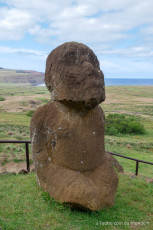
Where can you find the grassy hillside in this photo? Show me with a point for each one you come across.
(136, 100)
(20, 76)
(24, 206)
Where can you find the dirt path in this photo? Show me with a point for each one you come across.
(15, 168)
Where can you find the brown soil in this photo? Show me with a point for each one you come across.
(16, 103)
(14, 168)
(12, 104)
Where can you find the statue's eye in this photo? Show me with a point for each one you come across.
(71, 57)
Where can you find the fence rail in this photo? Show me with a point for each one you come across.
(26, 147)
(115, 154)
(133, 159)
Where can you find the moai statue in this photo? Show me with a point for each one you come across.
(67, 133)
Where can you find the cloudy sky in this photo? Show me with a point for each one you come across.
(120, 32)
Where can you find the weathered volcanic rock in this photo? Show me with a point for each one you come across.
(115, 163)
(67, 133)
(73, 74)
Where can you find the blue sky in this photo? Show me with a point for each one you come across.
(120, 32)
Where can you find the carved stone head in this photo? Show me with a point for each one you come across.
(73, 75)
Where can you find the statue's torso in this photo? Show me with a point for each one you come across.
(69, 138)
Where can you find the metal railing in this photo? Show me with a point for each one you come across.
(26, 147)
(115, 154)
(133, 159)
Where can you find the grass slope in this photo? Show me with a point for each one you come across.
(135, 100)
(23, 205)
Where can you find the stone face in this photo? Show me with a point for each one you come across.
(73, 74)
(67, 133)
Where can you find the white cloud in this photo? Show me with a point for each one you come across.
(9, 50)
(105, 20)
(122, 29)
(14, 23)
(132, 52)
(148, 30)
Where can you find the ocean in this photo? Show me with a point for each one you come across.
(125, 81)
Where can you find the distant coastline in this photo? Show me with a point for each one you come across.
(124, 81)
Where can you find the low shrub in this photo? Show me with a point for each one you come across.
(116, 124)
(2, 99)
(30, 113)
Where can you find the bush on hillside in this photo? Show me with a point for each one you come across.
(2, 99)
(30, 113)
(116, 124)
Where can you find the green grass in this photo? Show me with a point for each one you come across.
(120, 100)
(30, 113)
(18, 161)
(2, 99)
(15, 119)
(136, 146)
(142, 150)
(23, 205)
(11, 89)
(9, 152)
(44, 100)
